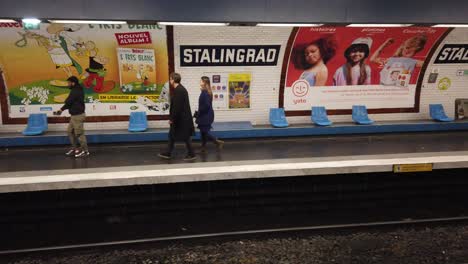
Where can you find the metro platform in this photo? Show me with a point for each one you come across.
(237, 130)
(40, 168)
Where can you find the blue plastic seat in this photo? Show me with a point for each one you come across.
(360, 115)
(319, 116)
(437, 113)
(37, 125)
(278, 117)
(138, 122)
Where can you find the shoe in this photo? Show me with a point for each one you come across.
(190, 157)
(72, 152)
(164, 155)
(219, 143)
(82, 153)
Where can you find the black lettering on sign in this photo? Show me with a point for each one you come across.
(229, 55)
(452, 53)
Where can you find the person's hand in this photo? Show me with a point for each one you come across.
(170, 122)
(388, 42)
(59, 112)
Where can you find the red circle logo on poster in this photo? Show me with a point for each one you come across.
(300, 88)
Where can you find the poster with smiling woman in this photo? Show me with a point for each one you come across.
(338, 67)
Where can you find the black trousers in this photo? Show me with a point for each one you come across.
(188, 145)
(205, 136)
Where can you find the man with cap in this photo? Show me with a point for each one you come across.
(75, 105)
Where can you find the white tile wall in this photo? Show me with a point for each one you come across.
(265, 80)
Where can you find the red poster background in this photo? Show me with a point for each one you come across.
(346, 35)
(133, 38)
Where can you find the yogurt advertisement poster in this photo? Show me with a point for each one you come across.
(338, 67)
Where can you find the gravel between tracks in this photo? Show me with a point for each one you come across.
(442, 244)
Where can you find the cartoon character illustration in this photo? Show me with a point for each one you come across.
(355, 71)
(164, 96)
(142, 74)
(58, 45)
(141, 79)
(41, 40)
(150, 105)
(139, 73)
(401, 65)
(146, 81)
(127, 67)
(96, 71)
(147, 103)
(313, 58)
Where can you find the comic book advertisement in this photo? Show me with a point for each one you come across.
(122, 68)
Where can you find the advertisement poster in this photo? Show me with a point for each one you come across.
(230, 90)
(338, 67)
(123, 68)
(219, 84)
(137, 70)
(239, 90)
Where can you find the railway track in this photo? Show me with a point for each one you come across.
(124, 243)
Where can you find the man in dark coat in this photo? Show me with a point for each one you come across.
(180, 119)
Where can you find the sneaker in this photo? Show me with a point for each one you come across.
(82, 153)
(219, 143)
(164, 155)
(190, 157)
(72, 152)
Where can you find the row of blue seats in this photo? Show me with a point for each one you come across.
(37, 123)
(359, 115)
(138, 122)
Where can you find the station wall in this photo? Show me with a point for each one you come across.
(262, 82)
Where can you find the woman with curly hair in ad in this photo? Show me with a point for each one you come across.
(313, 57)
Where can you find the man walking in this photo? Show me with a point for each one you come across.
(76, 107)
(180, 119)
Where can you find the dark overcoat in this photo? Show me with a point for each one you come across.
(180, 114)
(205, 116)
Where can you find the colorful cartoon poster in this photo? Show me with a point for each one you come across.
(37, 63)
(137, 70)
(338, 67)
(239, 90)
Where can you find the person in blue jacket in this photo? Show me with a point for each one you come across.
(205, 114)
